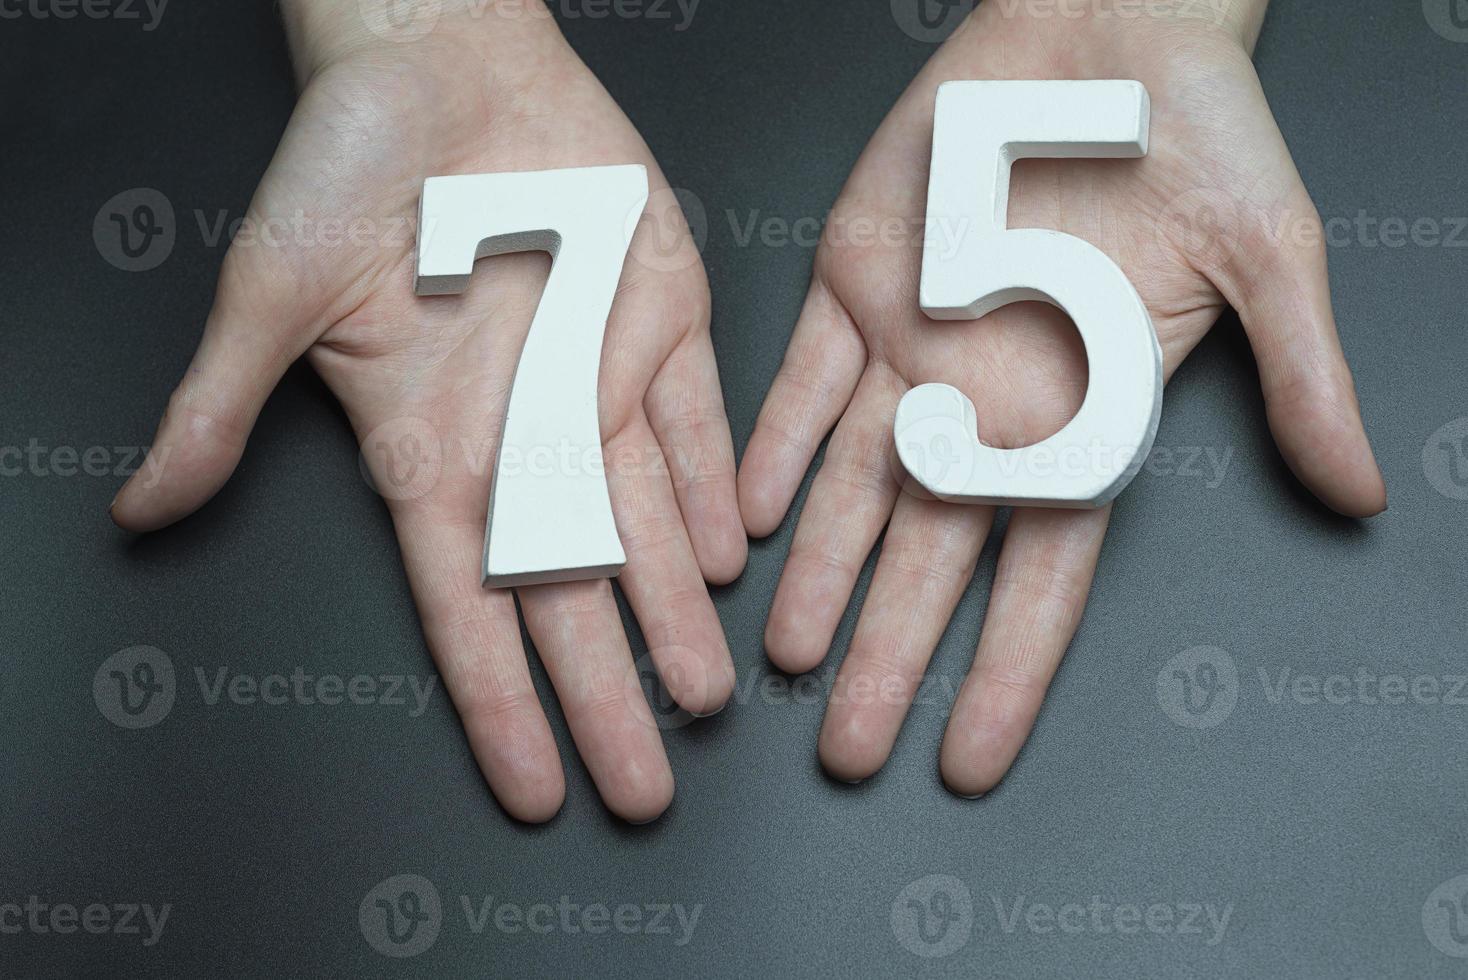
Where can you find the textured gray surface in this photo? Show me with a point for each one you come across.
(1323, 829)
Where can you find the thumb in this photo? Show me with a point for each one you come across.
(250, 339)
(1279, 286)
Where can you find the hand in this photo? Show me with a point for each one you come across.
(1218, 165)
(497, 92)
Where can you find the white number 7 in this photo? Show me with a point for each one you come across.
(550, 515)
(979, 130)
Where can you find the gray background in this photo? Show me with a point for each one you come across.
(1324, 827)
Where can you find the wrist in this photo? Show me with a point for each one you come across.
(1122, 21)
(323, 32)
(1243, 19)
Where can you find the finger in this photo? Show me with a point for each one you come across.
(579, 634)
(1040, 589)
(474, 635)
(662, 580)
(256, 329)
(813, 387)
(850, 501)
(685, 406)
(1282, 293)
(927, 560)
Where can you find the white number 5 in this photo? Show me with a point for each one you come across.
(550, 515)
(979, 130)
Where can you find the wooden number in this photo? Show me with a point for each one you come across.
(550, 515)
(980, 129)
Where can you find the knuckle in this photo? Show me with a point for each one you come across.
(603, 702)
(928, 573)
(1046, 595)
(820, 562)
(486, 705)
(1009, 692)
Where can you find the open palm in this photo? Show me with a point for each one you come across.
(1214, 215)
(425, 383)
